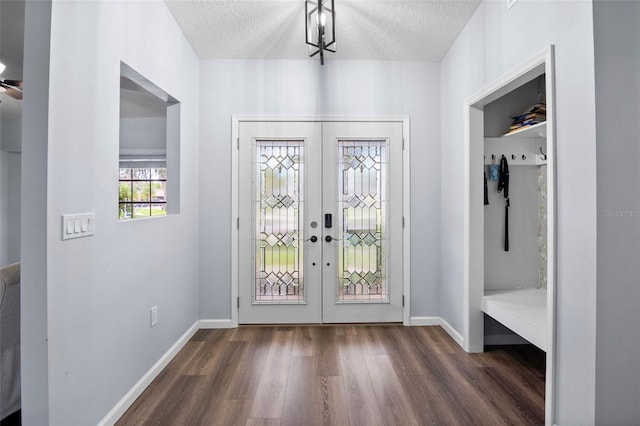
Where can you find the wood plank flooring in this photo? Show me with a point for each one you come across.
(342, 375)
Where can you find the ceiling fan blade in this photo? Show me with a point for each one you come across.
(14, 92)
(14, 83)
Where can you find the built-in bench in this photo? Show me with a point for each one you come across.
(524, 311)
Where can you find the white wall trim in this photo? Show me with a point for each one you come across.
(432, 321)
(406, 213)
(452, 332)
(423, 321)
(216, 323)
(129, 398)
(356, 119)
(235, 215)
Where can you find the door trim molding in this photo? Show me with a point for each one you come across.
(406, 202)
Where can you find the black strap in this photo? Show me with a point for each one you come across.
(503, 181)
(486, 190)
(506, 225)
(503, 185)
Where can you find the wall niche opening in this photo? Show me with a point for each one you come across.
(149, 155)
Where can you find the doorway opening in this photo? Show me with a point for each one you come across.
(510, 282)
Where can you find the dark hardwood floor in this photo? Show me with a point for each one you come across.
(342, 375)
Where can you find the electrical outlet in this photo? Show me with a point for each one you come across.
(154, 315)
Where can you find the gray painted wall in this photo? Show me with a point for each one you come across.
(11, 54)
(617, 71)
(140, 134)
(34, 349)
(10, 169)
(86, 337)
(304, 88)
(494, 41)
(10, 179)
(520, 266)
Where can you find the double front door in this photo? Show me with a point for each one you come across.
(320, 222)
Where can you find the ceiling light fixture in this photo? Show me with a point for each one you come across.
(320, 27)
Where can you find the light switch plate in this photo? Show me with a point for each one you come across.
(78, 225)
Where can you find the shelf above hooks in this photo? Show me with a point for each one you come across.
(536, 131)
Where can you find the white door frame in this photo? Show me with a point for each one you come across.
(406, 201)
(473, 286)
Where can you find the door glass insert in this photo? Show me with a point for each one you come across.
(279, 212)
(363, 204)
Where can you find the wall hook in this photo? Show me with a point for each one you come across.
(544, 156)
(513, 157)
(524, 157)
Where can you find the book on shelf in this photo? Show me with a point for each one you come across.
(533, 115)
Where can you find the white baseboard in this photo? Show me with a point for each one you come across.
(216, 323)
(442, 323)
(123, 405)
(452, 332)
(416, 321)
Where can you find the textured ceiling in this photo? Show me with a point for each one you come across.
(378, 30)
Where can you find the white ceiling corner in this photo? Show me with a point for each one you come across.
(417, 30)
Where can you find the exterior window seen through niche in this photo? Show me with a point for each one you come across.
(143, 192)
(149, 163)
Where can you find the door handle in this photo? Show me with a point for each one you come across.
(329, 238)
(313, 239)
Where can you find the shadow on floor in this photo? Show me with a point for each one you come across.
(14, 419)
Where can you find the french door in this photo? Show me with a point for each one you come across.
(320, 222)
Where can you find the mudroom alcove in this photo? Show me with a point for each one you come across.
(510, 213)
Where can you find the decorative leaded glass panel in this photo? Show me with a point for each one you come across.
(363, 203)
(278, 217)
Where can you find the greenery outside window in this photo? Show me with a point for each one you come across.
(142, 192)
